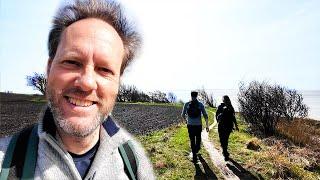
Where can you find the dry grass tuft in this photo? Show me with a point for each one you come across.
(302, 132)
(254, 144)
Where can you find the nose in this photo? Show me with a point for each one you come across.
(86, 80)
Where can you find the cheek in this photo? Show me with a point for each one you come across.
(58, 79)
(109, 90)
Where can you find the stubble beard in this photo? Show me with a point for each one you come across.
(69, 127)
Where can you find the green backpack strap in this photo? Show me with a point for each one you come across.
(31, 158)
(129, 159)
(8, 158)
(21, 155)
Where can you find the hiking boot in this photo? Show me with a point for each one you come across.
(226, 158)
(195, 158)
(226, 155)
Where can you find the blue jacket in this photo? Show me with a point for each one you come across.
(194, 121)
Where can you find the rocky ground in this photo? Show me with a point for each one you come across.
(20, 111)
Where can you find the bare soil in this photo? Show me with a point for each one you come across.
(19, 111)
(142, 119)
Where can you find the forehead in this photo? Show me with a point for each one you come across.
(92, 33)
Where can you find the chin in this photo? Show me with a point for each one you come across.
(77, 126)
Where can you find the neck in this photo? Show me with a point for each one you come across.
(79, 145)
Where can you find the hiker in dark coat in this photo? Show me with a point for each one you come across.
(193, 111)
(225, 116)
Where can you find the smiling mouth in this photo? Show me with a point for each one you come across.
(80, 102)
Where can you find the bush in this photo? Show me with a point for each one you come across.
(294, 105)
(262, 105)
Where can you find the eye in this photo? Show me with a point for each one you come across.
(72, 63)
(105, 71)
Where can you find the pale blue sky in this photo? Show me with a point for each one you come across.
(187, 44)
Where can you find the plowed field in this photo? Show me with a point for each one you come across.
(19, 111)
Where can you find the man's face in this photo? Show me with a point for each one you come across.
(83, 77)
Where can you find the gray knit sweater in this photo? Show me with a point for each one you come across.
(54, 162)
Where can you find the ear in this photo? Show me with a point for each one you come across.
(49, 63)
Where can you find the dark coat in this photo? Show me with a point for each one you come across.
(225, 116)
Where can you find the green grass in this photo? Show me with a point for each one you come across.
(154, 104)
(168, 150)
(270, 162)
(38, 100)
(211, 113)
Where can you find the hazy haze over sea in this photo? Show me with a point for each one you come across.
(310, 97)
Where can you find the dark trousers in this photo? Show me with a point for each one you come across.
(195, 137)
(224, 134)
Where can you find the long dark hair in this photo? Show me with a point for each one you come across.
(227, 101)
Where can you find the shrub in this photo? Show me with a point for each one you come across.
(262, 105)
(294, 105)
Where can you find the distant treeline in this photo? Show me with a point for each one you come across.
(128, 93)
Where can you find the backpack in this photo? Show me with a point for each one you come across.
(226, 117)
(193, 110)
(21, 156)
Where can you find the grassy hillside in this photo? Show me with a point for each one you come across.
(277, 158)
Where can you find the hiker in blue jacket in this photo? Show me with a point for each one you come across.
(191, 112)
(90, 44)
(225, 116)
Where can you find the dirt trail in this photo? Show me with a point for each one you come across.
(216, 156)
(229, 169)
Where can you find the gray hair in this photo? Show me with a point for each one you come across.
(109, 11)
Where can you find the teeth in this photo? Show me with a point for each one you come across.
(78, 102)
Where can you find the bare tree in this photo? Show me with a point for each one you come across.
(121, 93)
(207, 98)
(38, 82)
(172, 98)
(130, 93)
(158, 97)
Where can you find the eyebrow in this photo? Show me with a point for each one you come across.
(74, 51)
(78, 53)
